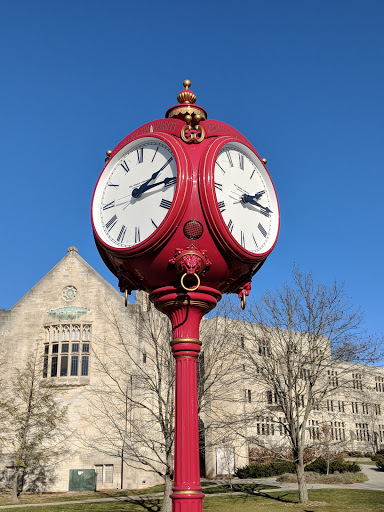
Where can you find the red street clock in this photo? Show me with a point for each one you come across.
(184, 199)
(185, 209)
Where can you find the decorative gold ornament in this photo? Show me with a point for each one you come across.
(186, 96)
(194, 288)
(264, 160)
(108, 157)
(192, 135)
(185, 340)
(186, 99)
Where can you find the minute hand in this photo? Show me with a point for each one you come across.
(136, 192)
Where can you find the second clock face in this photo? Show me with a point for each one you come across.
(135, 193)
(246, 198)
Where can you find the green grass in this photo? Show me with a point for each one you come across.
(322, 500)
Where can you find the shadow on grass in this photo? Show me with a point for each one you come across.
(150, 504)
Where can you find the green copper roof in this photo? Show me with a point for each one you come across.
(69, 313)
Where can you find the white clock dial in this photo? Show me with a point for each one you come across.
(246, 198)
(135, 192)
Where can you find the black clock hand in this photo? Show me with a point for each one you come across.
(166, 182)
(136, 192)
(252, 200)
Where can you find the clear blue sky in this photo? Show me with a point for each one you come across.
(303, 81)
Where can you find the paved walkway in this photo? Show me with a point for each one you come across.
(375, 483)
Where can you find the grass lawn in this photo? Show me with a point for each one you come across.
(322, 500)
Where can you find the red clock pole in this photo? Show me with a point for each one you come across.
(185, 310)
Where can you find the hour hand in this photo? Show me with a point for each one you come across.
(246, 198)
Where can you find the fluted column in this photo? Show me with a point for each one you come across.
(185, 311)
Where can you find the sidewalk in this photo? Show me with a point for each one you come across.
(375, 483)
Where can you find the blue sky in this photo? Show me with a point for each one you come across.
(303, 81)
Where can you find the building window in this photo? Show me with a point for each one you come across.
(248, 395)
(271, 397)
(341, 406)
(332, 378)
(265, 426)
(338, 430)
(362, 432)
(377, 409)
(365, 408)
(144, 358)
(379, 384)
(242, 342)
(330, 405)
(356, 381)
(264, 349)
(64, 354)
(104, 473)
(313, 429)
(305, 374)
(355, 408)
(109, 473)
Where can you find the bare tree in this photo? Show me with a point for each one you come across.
(302, 342)
(35, 427)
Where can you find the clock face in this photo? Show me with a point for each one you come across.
(246, 198)
(135, 192)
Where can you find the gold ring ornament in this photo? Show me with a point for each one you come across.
(193, 289)
(126, 298)
(243, 300)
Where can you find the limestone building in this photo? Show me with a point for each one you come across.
(74, 318)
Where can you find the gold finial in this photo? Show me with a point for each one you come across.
(108, 153)
(264, 160)
(186, 96)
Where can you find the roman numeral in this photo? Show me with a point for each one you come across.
(229, 158)
(137, 235)
(155, 153)
(165, 204)
(124, 165)
(241, 163)
(140, 155)
(221, 205)
(219, 186)
(112, 221)
(262, 230)
(109, 205)
(230, 225)
(121, 235)
(170, 181)
(112, 185)
(265, 212)
(242, 238)
(153, 222)
(217, 163)
(253, 236)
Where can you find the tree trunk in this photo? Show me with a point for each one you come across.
(301, 481)
(167, 502)
(15, 481)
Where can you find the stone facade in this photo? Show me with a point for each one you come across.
(64, 316)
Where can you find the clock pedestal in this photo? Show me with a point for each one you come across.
(185, 310)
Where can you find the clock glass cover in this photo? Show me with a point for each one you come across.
(135, 192)
(246, 198)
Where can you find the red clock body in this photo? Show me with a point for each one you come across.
(163, 199)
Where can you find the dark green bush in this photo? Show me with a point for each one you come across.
(380, 462)
(340, 465)
(257, 470)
